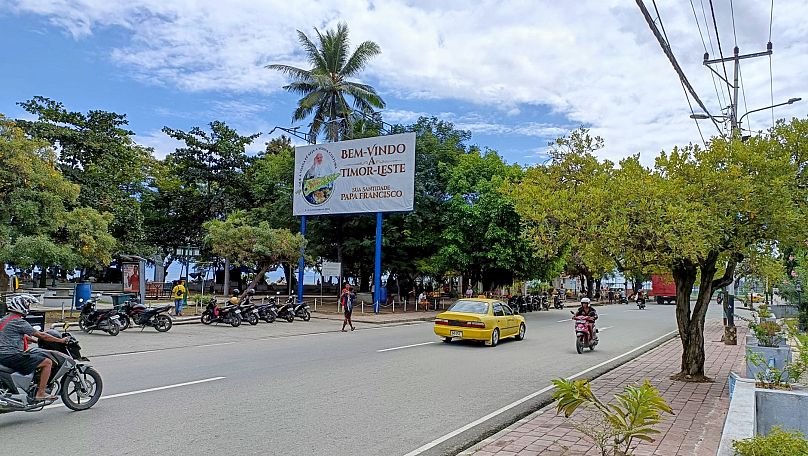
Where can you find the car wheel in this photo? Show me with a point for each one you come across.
(447, 339)
(521, 334)
(495, 337)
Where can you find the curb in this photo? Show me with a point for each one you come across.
(545, 404)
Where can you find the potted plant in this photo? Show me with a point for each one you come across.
(777, 443)
(770, 352)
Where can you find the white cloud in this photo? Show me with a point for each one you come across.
(160, 142)
(593, 62)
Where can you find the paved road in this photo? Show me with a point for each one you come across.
(259, 391)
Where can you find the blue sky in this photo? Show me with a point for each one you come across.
(516, 74)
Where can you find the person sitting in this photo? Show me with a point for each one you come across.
(586, 310)
(15, 333)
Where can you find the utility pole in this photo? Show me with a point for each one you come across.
(736, 58)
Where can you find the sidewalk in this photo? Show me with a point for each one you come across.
(695, 429)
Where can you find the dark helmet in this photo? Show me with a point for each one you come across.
(236, 291)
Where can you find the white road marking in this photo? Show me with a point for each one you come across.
(405, 346)
(149, 390)
(530, 396)
(605, 328)
(564, 321)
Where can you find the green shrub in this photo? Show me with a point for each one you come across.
(767, 333)
(777, 443)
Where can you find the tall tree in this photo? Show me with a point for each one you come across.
(97, 152)
(324, 87)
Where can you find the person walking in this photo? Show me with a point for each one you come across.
(179, 292)
(347, 300)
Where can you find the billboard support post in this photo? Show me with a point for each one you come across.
(301, 264)
(377, 270)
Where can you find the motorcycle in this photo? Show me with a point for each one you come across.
(285, 310)
(106, 320)
(623, 299)
(584, 333)
(302, 311)
(227, 314)
(248, 311)
(133, 311)
(641, 303)
(72, 379)
(545, 303)
(557, 302)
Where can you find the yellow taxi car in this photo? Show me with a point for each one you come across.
(486, 320)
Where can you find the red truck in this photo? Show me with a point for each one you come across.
(663, 288)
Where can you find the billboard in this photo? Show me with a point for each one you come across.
(361, 175)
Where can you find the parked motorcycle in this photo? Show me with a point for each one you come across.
(302, 311)
(623, 299)
(215, 314)
(286, 310)
(557, 303)
(584, 332)
(133, 311)
(72, 379)
(545, 303)
(106, 320)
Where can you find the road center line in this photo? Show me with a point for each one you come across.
(405, 346)
(530, 396)
(605, 328)
(149, 390)
(564, 321)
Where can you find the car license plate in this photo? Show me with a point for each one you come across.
(456, 333)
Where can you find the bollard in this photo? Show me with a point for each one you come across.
(394, 306)
(363, 306)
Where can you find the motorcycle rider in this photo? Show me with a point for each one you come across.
(15, 334)
(586, 310)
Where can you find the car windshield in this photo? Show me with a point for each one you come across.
(476, 307)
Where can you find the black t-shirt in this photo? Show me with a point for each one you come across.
(591, 313)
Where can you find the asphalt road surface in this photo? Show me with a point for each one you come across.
(268, 389)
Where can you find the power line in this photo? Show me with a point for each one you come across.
(669, 53)
(722, 97)
(732, 12)
(743, 94)
(721, 102)
(718, 40)
(771, 76)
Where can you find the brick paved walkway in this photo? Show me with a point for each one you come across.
(695, 429)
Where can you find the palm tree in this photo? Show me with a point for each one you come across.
(324, 87)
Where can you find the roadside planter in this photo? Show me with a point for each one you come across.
(787, 409)
(775, 357)
(785, 311)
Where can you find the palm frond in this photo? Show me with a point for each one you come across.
(293, 72)
(301, 88)
(312, 51)
(364, 92)
(360, 58)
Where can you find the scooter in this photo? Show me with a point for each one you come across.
(248, 311)
(545, 304)
(641, 303)
(286, 310)
(623, 299)
(133, 311)
(302, 311)
(585, 333)
(227, 314)
(106, 320)
(557, 302)
(72, 378)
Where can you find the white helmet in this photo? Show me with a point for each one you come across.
(20, 303)
(585, 301)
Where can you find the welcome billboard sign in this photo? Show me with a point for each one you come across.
(357, 176)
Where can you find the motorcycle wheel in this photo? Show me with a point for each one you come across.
(270, 318)
(579, 344)
(163, 323)
(206, 318)
(125, 322)
(306, 315)
(71, 390)
(114, 329)
(83, 324)
(592, 347)
(252, 319)
(235, 321)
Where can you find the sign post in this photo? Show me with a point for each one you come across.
(368, 175)
(301, 264)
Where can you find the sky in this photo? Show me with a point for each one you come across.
(516, 74)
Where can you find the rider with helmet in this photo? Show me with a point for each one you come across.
(586, 310)
(15, 333)
(234, 300)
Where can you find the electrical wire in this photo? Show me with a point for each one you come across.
(704, 45)
(743, 94)
(723, 98)
(720, 51)
(732, 11)
(684, 89)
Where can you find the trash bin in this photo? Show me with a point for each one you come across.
(82, 292)
(119, 299)
(36, 318)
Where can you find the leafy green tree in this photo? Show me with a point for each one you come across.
(254, 245)
(97, 152)
(38, 228)
(324, 87)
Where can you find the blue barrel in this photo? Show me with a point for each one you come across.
(83, 291)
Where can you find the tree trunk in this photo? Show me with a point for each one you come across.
(4, 278)
(255, 280)
(590, 285)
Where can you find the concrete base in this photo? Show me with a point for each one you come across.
(740, 422)
(787, 409)
(785, 311)
(780, 356)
